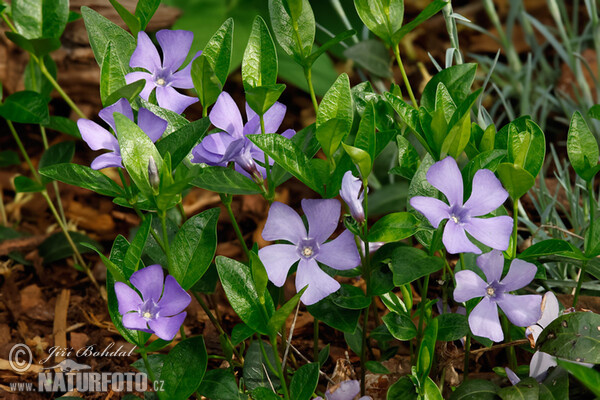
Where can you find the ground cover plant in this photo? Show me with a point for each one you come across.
(458, 268)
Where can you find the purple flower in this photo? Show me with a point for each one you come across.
(487, 195)
(283, 223)
(346, 390)
(523, 310)
(353, 195)
(153, 313)
(232, 145)
(163, 75)
(99, 138)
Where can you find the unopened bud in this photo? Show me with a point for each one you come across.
(153, 176)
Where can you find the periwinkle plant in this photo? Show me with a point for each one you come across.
(342, 275)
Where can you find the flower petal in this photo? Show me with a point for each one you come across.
(127, 298)
(226, 116)
(533, 331)
(212, 148)
(320, 285)
(445, 176)
(149, 281)
(135, 321)
(550, 309)
(455, 240)
(121, 106)
(171, 99)
(107, 160)
(487, 195)
(174, 299)
(166, 327)
(492, 265)
(519, 275)
(152, 125)
(493, 232)
(484, 321)
(288, 133)
(274, 117)
(468, 286)
(96, 136)
(145, 54)
(540, 364)
(175, 45)
(512, 377)
(522, 310)
(148, 87)
(345, 390)
(340, 253)
(283, 223)
(322, 216)
(433, 209)
(278, 259)
(353, 195)
(182, 79)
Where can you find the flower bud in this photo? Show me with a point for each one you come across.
(153, 176)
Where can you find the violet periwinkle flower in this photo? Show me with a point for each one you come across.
(153, 313)
(283, 223)
(232, 145)
(99, 138)
(486, 196)
(163, 75)
(353, 195)
(346, 390)
(521, 310)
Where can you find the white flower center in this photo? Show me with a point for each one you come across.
(161, 82)
(490, 291)
(307, 251)
(147, 315)
(454, 218)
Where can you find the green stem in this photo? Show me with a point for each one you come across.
(270, 188)
(204, 112)
(515, 227)
(422, 308)
(181, 210)
(311, 89)
(467, 353)
(404, 76)
(510, 350)
(286, 394)
(589, 234)
(61, 210)
(579, 283)
(226, 199)
(12, 129)
(163, 222)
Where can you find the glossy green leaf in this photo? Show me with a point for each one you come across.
(588, 376)
(218, 50)
(133, 256)
(180, 381)
(515, 179)
(340, 37)
(393, 227)
(432, 8)
(293, 24)
(84, 177)
(339, 318)
(408, 158)
(259, 274)
(278, 318)
(64, 125)
(330, 135)
(452, 326)
(360, 158)
(181, 142)
(366, 138)
(402, 389)
(39, 47)
(409, 263)
(40, 18)
(25, 107)
(259, 65)
(476, 389)
(194, 247)
(457, 80)
(337, 103)
(206, 82)
(8, 158)
(574, 336)
(582, 148)
(112, 76)
(144, 10)
(550, 247)
(526, 149)
(371, 55)
(24, 184)
(224, 180)
(400, 326)
(35, 80)
(256, 373)
(176, 121)
(427, 349)
(351, 297)
(59, 153)
(527, 389)
(130, 92)
(220, 384)
(382, 17)
(131, 20)
(304, 382)
(261, 98)
(56, 247)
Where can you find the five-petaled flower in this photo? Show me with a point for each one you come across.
(163, 75)
(521, 310)
(346, 390)
(283, 223)
(157, 311)
(99, 138)
(487, 195)
(218, 149)
(353, 195)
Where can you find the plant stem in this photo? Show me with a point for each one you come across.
(404, 77)
(163, 222)
(226, 200)
(589, 235)
(510, 351)
(308, 76)
(515, 227)
(61, 210)
(422, 308)
(36, 176)
(467, 353)
(286, 394)
(270, 188)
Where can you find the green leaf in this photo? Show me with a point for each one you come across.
(427, 350)
(259, 275)
(293, 24)
(452, 326)
(376, 367)
(527, 389)
(132, 21)
(133, 256)
(574, 336)
(515, 180)
(400, 326)
(556, 385)
(259, 65)
(588, 376)
(382, 17)
(206, 82)
(144, 10)
(393, 227)
(39, 47)
(261, 98)
(56, 247)
(237, 282)
(304, 382)
(59, 153)
(351, 297)
(340, 37)
(179, 143)
(8, 158)
(101, 31)
(289, 157)
(431, 391)
(361, 159)
(432, 8)
(35, 80)
(112, 75)
(337, 103)
(339, 318)
(218, 50)
(194, 247)
(64, 125)
(220, 384)
(366, 138)
(457, 80)
(582, 148)
(330, 135)
(476, 389)
(26, 107)
(130, 92)
(24, 184)
(526, 149)
(408, 158)
(371, 55)
(408, 263)
(256, 374)
(224, 180)
(40, 18)
(82, 176)
(278, 318)
(402, 389)
(180, 381)
(176, 121)
(550, 247)
(136, 150)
